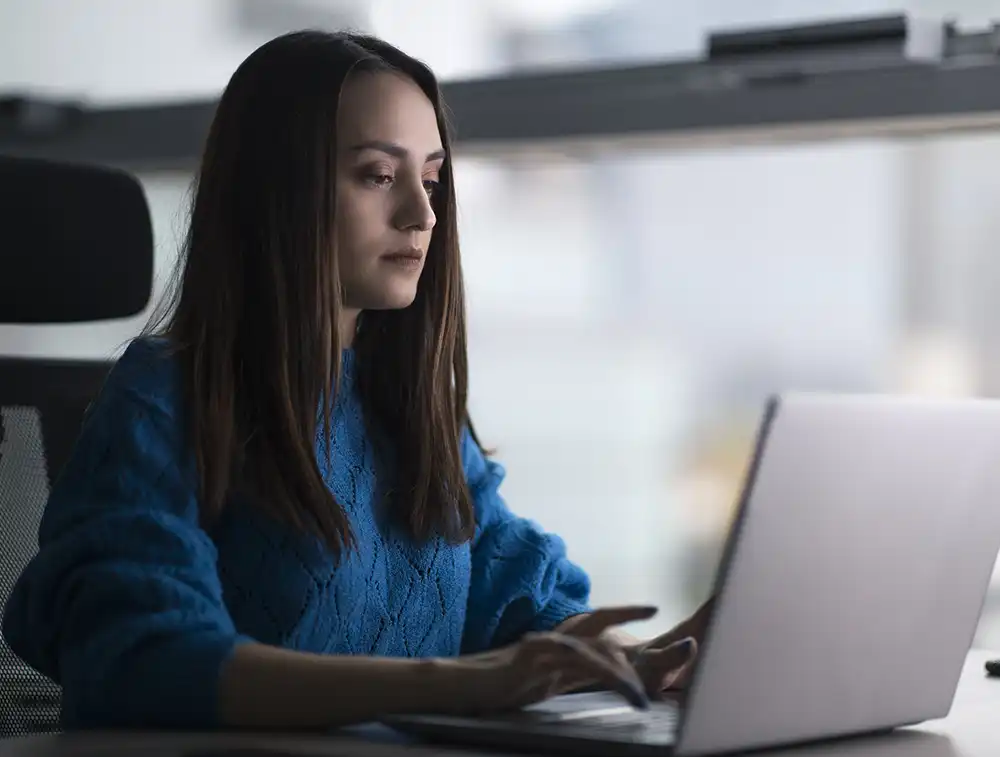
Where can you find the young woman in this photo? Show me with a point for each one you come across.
(277, 513)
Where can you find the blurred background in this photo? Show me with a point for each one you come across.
(634, 296)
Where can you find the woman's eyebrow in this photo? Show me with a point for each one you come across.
(395, 150)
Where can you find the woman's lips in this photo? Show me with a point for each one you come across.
(410, 257)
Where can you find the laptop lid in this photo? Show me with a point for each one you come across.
(855, 572)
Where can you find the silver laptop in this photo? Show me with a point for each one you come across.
(847, 599)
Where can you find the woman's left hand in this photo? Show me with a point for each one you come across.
(666, 662)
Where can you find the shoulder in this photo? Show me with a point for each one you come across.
(131, 455)
(479, 470)
(484, 478)
(141, 401)
(147, 372)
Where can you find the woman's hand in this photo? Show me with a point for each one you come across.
(664, 663)
(544, 665)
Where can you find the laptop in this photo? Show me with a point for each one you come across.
(847, 598)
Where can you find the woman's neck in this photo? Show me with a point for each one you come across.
(348, 327)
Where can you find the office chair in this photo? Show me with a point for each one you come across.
(76, 245)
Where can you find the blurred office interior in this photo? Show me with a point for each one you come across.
(633, 298)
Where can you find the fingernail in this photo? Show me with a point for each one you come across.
(687, 646)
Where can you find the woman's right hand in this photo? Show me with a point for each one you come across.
(543, 665)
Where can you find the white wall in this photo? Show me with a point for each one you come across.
(122, 51)
(119, 51)
(115, 51)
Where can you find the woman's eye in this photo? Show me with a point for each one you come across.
(431, 187)
(380, 180)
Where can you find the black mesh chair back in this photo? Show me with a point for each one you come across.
(76, 245)
(42, 404)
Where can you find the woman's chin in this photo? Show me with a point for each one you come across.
(392, 299)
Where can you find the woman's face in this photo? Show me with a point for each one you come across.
(389, 159)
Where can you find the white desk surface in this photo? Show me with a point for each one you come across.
(972, 729)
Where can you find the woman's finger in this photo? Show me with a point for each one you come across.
(600, 620)
(662, 669)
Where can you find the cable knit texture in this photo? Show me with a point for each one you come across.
(133, 608)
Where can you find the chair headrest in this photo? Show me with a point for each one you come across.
(76, 243)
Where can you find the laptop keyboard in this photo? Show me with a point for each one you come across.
(618, 723)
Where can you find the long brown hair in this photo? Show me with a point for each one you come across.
(253, 317)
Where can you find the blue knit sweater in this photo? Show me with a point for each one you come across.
(133, 608)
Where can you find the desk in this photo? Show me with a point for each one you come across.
(972, 729)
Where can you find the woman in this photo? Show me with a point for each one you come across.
(277, 513)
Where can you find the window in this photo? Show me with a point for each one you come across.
(631, 311)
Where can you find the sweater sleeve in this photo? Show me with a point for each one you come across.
(122, 605)
(522, 580)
